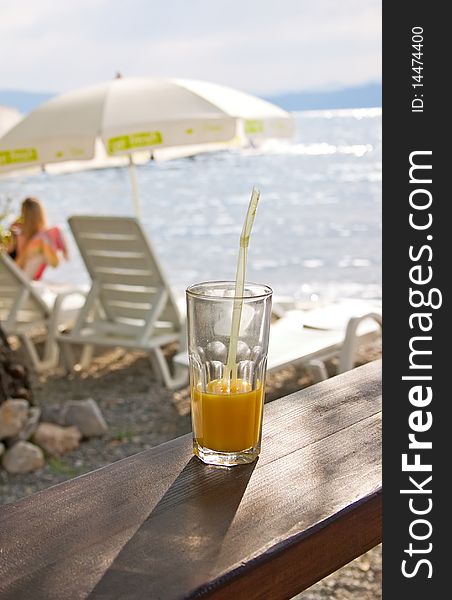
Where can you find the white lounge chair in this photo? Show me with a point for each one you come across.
(311, 337)
(24, 313)
(298, 338)
(130, 303)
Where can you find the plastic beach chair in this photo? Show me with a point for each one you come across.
(25, 313)
(130, 303)
(311, 337)
(298, 338)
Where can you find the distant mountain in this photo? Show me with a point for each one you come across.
(363, 96)
(23, 101)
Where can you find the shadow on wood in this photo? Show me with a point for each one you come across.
(193, 517)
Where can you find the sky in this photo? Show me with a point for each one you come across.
(260, 46)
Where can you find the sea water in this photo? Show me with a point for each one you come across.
(317, 235)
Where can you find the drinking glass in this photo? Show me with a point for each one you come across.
(227, 403)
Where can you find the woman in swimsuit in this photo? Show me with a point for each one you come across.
(34, 246)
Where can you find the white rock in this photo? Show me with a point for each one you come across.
(23, 457)
(13, 416)
(56, 440)
(86, 416)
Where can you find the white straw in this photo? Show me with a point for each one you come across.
(240, 284)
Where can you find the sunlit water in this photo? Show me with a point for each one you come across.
(317, 231)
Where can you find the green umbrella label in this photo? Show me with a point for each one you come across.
(19, 155)
(143, 139)
(253, 126)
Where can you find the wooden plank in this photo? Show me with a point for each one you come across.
(161, 524)
(212, 532)
(284, 572)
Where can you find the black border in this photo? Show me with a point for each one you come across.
(404, 132)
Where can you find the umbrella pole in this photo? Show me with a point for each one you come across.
(134, 185)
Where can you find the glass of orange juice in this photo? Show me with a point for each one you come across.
(227, 399)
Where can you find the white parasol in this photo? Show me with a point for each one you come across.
(129, 115)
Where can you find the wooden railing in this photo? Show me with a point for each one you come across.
(161, 524)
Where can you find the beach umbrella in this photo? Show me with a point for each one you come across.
(8, 118)
(130, 115)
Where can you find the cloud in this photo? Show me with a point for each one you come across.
(261, 46)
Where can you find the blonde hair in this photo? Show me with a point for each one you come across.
(33, 218)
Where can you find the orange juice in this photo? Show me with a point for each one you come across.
(227, 417)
